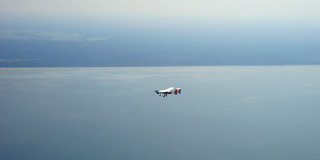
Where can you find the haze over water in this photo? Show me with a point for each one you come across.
(225, 113)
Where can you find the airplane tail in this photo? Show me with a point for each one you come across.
(177, 90)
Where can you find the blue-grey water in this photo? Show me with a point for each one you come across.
(223, 113)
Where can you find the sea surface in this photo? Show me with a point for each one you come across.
(223, 113)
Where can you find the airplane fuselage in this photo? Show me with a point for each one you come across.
(167, 91)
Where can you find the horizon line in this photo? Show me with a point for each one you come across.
(279, 65)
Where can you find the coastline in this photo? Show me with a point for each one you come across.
(198, 66)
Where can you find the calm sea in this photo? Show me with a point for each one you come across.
(223, 113)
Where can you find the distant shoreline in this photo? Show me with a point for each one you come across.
(2, 68)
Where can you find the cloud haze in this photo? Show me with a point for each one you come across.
(308, 9)
(32, 35)
(159, 33)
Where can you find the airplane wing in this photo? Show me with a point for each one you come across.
(168, 89)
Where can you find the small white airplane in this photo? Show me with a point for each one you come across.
(167, 91)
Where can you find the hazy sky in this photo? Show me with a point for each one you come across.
(269, 9)
(142, 32)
